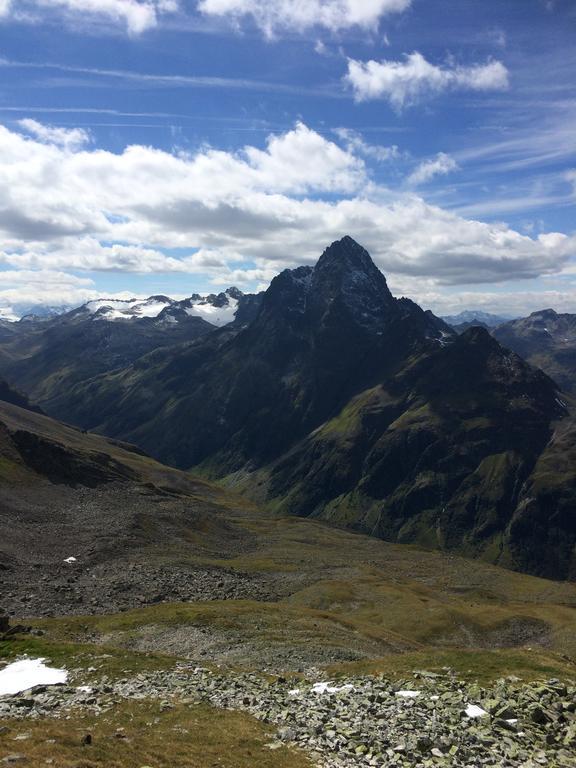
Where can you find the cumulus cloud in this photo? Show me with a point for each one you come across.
(405, 83)
(137, 15)
(273, 16)
(271, 207)
(31, 287)
(428, 169)
(69, 138)
(511, 303)
(88, 254)
(22, 290)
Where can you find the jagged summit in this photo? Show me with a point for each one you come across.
(346, 255)
(344, 286)
(346, 272)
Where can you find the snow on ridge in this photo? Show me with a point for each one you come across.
(25, 674)
(117, 309)
(213, 314)
(215, 309)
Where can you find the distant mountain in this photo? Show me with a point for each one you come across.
(471, 317)
(341, 402)
(33, 312)
(45, 358)
(547, 340)
(216, 309)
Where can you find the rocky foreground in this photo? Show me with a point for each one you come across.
(430, 720)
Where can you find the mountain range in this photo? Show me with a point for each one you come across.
(46, 357)
(337, 401)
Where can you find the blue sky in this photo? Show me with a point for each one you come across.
(157, 146)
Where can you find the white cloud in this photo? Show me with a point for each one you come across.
(88, 254)
(137, 15)
(509, 303)
(273, 16)
(428, 169)
(355, 143)
(407, 82)
(68, 138)
(42, 287)
(273, 207)
(22, 290)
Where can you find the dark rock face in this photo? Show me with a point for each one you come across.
(341, 402)
(61, 465)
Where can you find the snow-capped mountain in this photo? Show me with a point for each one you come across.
(216, 309)
(118, 309)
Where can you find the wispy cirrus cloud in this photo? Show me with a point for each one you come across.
(153, 80)
(408, 82)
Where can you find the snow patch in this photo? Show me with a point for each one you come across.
(212, 314)
(22, 675)
(407, 694)
(473, 710)
(321, 688)
(116, 309)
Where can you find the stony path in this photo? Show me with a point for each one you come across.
(430, 720)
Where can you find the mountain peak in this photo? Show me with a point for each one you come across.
(545, 314)
(346, 273)
(347, 254)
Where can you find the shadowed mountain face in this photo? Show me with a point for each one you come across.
(343, 403)
(9, 395)
(547, 340)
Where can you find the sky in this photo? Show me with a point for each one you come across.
(182, 146)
